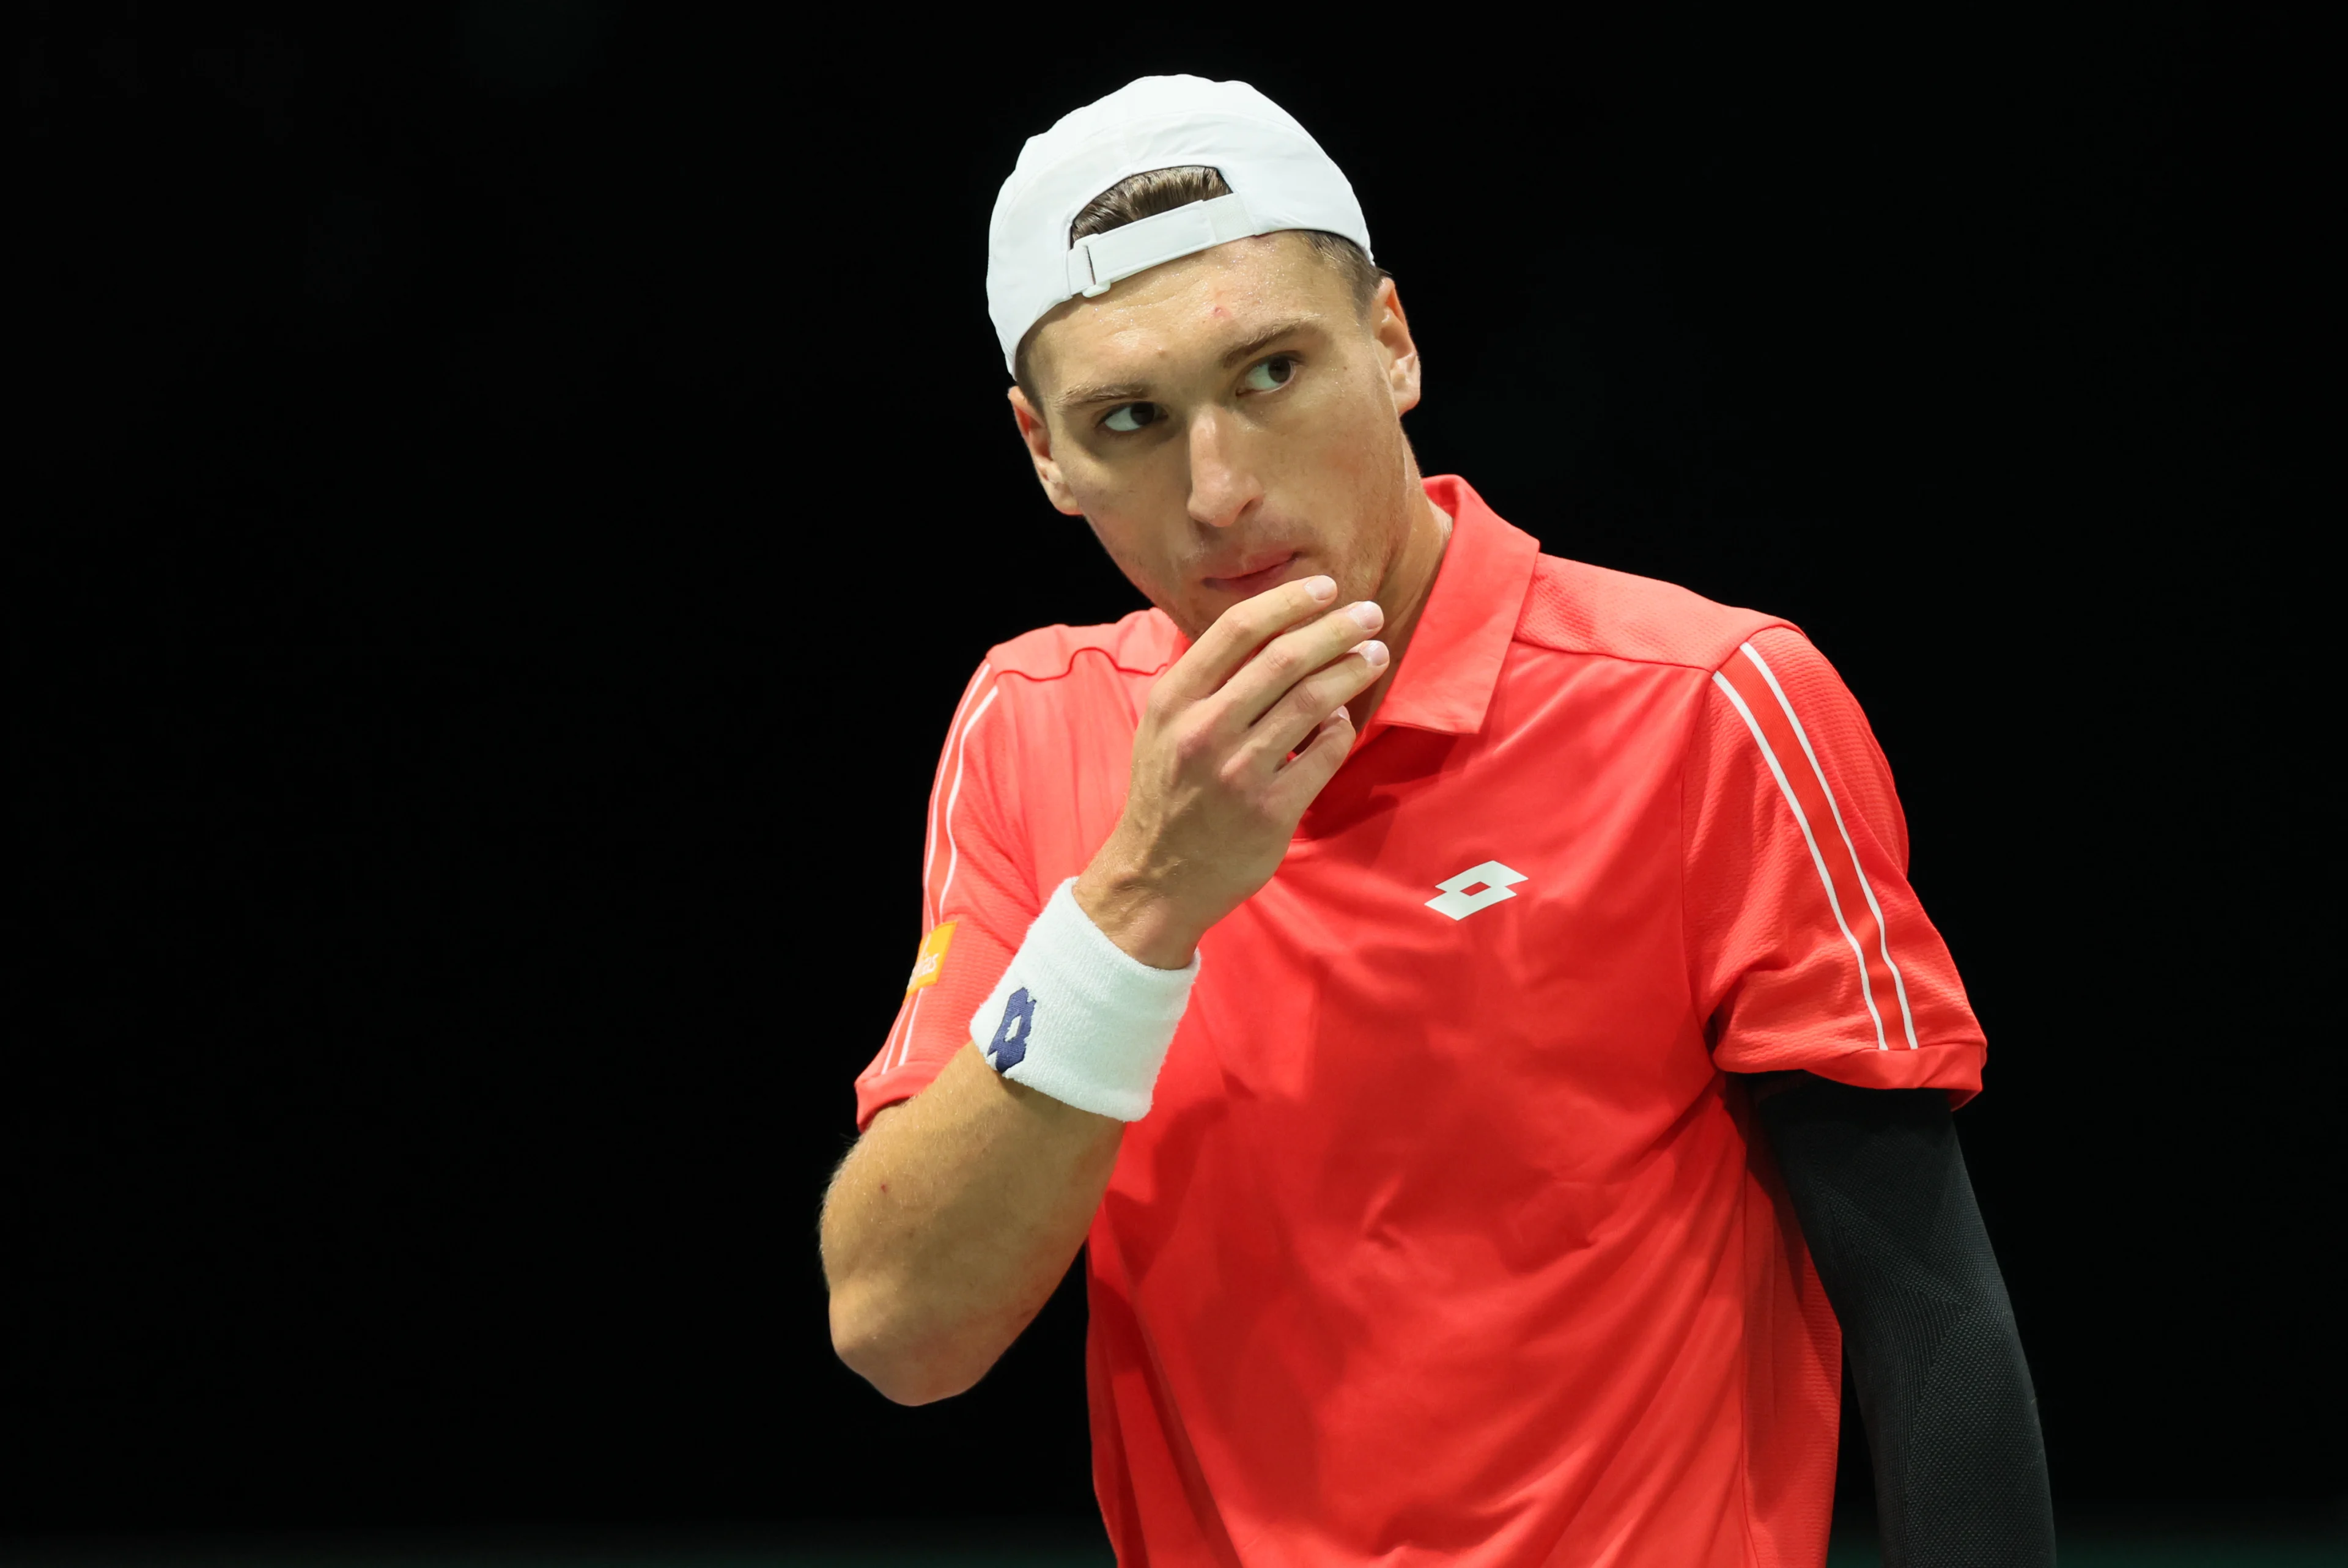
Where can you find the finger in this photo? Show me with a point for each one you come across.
(1343, 712)
(1289, 659)
(1309, 703)
(1239, 631)
(1315, 765)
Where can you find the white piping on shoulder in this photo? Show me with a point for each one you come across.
(953, 737)
(1866, 888)
(961, 747)
(953, 850)
(1866, 989)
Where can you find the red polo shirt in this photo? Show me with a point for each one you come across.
(1447, 1240)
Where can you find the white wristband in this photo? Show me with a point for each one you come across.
(1079, 1017)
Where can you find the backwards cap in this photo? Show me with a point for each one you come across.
(1279, 178)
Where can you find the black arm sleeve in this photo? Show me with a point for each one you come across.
(1880, 1185)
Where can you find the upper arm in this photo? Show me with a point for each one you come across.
(978, 898)
(1876, 1175)
(1877, 1181)
(1808, 947)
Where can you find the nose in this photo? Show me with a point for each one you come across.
(1222, 486)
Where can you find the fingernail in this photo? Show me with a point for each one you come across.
(1323, 589)
(1373, 651)
(1369, 615)
(1341, 715)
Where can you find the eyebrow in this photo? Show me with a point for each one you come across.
(1110, 391)
(1137, 391)
(1267, 337)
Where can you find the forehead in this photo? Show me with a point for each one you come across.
(1183, 316)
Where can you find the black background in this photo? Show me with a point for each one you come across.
(509, 498)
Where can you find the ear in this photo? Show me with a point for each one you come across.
(1037, 435)
(1391, 328)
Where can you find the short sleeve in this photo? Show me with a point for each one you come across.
(1807, 948)
(978, 898)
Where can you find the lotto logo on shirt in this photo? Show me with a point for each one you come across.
(931, 958)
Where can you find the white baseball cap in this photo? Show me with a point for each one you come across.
(1279, 178)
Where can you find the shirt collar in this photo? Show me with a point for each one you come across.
(1445, 679)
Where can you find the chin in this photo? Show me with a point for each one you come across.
(1190, 620)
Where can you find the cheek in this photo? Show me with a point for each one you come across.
(1133, 486)
(1124, 542)
(1135, 539)
(1359, 439)
(1349, 482)
(1138, 553)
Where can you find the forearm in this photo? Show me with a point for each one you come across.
(951, 1221)
(1953, 1433)
(1880, 1184)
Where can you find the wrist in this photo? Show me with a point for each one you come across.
(1136, 916)
(1076, 1017)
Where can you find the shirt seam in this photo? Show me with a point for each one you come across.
(1702, 667)
(1069, 667)
(1702, 714)
(1019, 813)
(1874, 1052)
(1618, 658)
(1746, 1219)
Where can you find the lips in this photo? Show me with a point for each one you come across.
(1255, 573)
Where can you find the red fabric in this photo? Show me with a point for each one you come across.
(1787, 790)
(1446, 1241)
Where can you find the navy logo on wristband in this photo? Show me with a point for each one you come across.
(1010, 1047)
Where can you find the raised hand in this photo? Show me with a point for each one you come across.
(1235, 741)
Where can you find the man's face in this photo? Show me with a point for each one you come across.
(1227, 422)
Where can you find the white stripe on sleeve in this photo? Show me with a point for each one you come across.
(953, 856)
(1882, 926)
(954, 735)
(1866, 989)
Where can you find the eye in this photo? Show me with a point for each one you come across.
(1131, 416)
(1270, 374)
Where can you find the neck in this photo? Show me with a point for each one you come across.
(1404, 593)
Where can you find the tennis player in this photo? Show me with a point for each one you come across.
(1469, 1005)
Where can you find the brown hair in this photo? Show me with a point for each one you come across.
(1139, 196)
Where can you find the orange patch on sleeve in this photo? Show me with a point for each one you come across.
(931, 958)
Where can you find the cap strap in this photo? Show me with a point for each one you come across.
(1096, 260)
